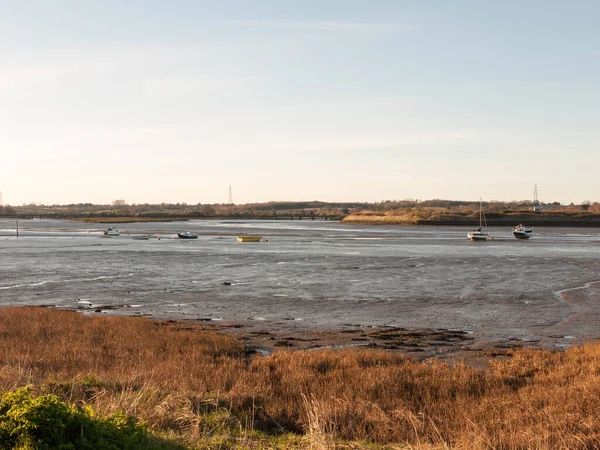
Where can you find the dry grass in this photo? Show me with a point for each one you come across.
(202, 387)
(406, 216)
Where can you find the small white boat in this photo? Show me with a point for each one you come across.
(478, 235)
(112, 231)
(521, 232)
(481, 233)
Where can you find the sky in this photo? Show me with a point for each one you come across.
(156, 101)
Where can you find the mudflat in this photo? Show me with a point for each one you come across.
(313, 284)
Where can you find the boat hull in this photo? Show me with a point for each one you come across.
(249, 238)
(478, 236)
(522, 234)
(187, 236)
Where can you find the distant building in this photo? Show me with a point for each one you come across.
(541, 207)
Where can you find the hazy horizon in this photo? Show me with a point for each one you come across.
(173, 102)
(409, 200)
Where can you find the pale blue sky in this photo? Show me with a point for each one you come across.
(335, 100)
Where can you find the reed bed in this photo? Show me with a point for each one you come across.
(204, 389)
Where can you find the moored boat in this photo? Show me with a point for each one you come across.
(521, 232)
(249, 238)
(478, 235)
(112, 231)
(481, 233)
(187, 235)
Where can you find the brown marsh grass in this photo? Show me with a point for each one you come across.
(204, 388)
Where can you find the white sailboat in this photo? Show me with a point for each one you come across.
(481, 233)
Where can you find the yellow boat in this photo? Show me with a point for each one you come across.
(249, 238)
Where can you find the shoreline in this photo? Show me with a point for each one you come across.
(539, 219)
(262, 337)
(556, 220)
(475, 348)
(421, 344)
(202, 389)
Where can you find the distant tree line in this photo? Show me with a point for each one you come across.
(120, 208)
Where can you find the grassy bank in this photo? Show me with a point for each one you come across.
(201, 389)
(441, 216)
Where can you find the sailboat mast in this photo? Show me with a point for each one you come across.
(480, 206)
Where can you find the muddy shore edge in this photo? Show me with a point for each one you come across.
(422, 344)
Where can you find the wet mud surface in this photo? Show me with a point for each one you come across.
(426, 291)
(445, 345)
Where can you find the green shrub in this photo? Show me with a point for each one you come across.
(46, 422)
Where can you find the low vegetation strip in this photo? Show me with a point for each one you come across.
(442, 216)
(198, 389)
(410, 211)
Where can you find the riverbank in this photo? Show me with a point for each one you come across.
(167, 218)
(431, 216)
(202, 389)
(565, 217)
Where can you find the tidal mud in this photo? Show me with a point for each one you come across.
(426, 290)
